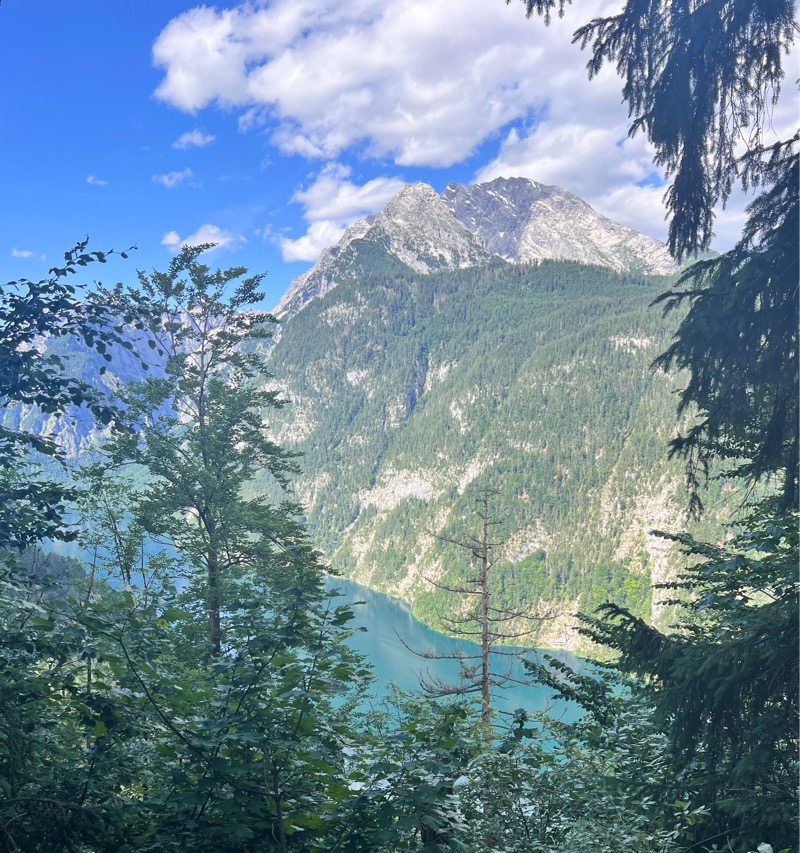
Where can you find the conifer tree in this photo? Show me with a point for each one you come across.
(479, 621)
(700, 80)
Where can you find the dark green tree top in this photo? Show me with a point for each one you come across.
(700, 79)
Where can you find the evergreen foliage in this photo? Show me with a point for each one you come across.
(725, 685)
(739, 343)
(700, 79)
(411, 394)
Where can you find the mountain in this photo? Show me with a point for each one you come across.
(416, 227)
(410, 393)
(437, 351)
(515, 219)
(521, 220)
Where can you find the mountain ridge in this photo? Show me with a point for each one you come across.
(514, 219)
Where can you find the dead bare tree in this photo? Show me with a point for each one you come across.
(481, 622)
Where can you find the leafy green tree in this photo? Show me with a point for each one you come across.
(201, 436)
(403, 783)
(33, 505)
(249, 731)
(604, 782)
(76, 736)
(145, 718)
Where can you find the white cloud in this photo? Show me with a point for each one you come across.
(172, 241)
(207, 233)
(419, 80)
(333, 197)
(172, 179)
(21, 253)
(332, 203)
(420, 83)
(94, 181)
(193, 139)
(319, 236)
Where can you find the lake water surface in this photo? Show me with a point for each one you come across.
(387, 633)
(392, 632)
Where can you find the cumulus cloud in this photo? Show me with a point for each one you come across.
(332, 203)
(581, 143)
(410, 80)
(193, 139)
(172, 179)
(94, 181)
(319, 236)
(222, 238)
(21, 253)
(413, 82)
(421, 83)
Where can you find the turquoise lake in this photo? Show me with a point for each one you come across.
(390, 629)
(387, 632)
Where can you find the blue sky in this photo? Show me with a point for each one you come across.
(268, 127)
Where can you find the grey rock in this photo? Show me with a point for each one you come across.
(516, 219)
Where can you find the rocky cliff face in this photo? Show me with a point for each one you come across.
(516, 219)
(521, 221)
(416, 227)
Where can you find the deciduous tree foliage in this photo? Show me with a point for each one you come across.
(144, 718)
(273, 653)
(200, 432)
(32, 505)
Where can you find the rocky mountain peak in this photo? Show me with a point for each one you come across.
(419, 229)
(522, 220)
(516, 219)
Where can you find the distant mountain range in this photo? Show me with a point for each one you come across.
(515, 219)
(497, 335)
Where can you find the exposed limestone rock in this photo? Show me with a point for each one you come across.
(631, 343)
(522, 220)
(525, 542)
(515, 219)
(398, 486)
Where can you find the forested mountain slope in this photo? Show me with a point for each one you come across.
(410, 393)
(437, 351)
